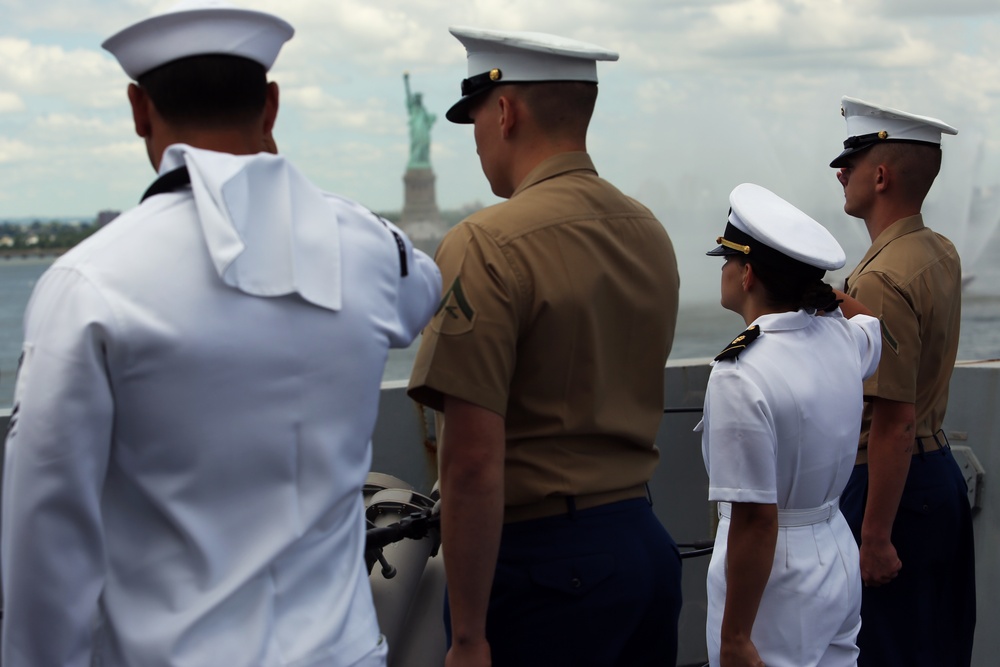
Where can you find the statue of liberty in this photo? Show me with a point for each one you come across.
(420, 128)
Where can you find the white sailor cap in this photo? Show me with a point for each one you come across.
(764, 227)
(499, 57)
(869, 124)
(195, 28)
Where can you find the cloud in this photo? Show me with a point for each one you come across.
(66, 145)
(13, 150)
(365, 35)
(707, 92)
(79, 77)
(58, 128)
(937, 8)
(771, 34)
(115, 152)
(91, 159)
(10, 102)
(87, 21)
(321, 111)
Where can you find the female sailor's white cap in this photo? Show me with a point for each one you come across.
(498, 57)
(764, 227)
(196, 28)
(869, 124)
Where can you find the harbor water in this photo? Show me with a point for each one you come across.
(703, 328)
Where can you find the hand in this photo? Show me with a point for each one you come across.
(879, 563)
(469, 655)
(851, 306)
(739, 653)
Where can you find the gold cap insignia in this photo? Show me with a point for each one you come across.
(495, 74)
(883, 134)
(721, 240)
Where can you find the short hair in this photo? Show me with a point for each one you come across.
(915, 165)
(207, 90)
(560, 106)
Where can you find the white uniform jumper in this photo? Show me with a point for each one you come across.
(199, 385)
(781, 426)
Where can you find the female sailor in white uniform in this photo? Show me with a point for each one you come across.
(779, 436)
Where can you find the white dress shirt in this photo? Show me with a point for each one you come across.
(192, 425)
(781, 426)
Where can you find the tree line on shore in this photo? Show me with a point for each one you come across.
(56, 236)
(52, 236)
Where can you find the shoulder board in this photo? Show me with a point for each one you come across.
(739, 344)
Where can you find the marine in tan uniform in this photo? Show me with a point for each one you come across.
(906, 500)
(546, 357)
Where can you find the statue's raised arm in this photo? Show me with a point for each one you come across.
(420, 128)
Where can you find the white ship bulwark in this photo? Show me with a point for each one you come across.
(411, 601)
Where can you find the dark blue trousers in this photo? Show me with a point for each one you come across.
(599, 587)
(926, 616)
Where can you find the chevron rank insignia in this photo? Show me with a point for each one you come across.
(455, 314)
(739, 344)
(888, 337)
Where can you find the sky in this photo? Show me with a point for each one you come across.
(707, 94)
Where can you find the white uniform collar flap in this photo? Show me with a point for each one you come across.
(269, 231)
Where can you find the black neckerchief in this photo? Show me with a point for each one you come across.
(170, 181)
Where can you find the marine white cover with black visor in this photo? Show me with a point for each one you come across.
(498, 57)
(869, 124)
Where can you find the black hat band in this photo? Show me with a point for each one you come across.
(865, 139)
(480, 82)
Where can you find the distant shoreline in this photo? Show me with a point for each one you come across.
(32, 253)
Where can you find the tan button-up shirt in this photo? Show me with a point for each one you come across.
(558, 314)
(911, 278)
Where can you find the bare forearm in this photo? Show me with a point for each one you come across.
(472, 504)
(753, 531)
(890, 447)
(470, 532)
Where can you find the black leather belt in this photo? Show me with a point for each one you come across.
(555, 505)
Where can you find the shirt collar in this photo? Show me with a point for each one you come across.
(901, 227)
(556, 166)
(787, 321)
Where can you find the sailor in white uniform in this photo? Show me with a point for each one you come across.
(198, 388)
(782, 408)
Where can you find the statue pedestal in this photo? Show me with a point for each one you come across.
(420, 201)
(421, 219)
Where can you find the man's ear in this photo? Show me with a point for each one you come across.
(270, 107)
(508, 115)
(881, 176)
(141, 104)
